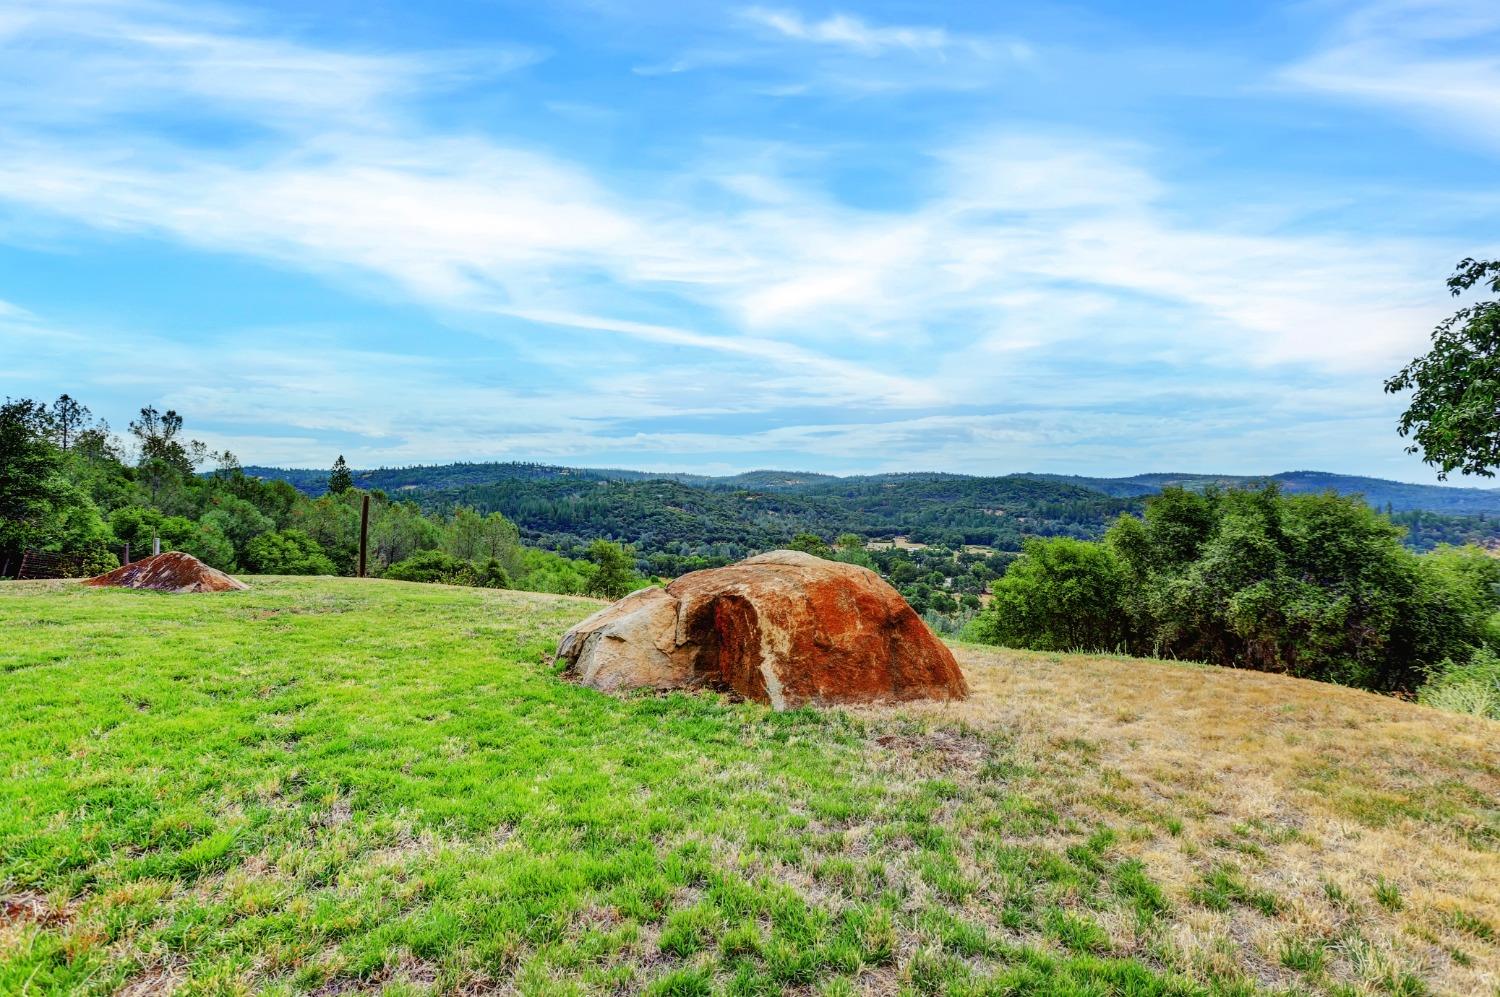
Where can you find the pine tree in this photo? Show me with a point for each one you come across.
(340, 479)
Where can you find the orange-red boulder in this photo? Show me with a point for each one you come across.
(169, 571)
(783, 628)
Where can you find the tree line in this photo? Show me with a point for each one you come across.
(68, 485)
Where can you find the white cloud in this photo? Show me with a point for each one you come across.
(1427, 59)
(848, 32)
(1021, 260)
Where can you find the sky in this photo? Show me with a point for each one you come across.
(1098, 238)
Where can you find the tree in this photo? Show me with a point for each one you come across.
(810, 543)
(1061, 595)
(615, 575)
(1453, 417)
(163, 457)
(157, 433)
(340, 479)
(289, 552)
(69, 418)
(228, 465)
(27, 461)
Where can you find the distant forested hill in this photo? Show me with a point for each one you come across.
(1395, 496)
(678, 519)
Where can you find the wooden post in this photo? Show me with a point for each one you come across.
(364, 532)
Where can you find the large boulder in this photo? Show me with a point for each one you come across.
(169, 571)
(783, 628)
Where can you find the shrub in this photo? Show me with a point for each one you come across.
(288, 552)
(1061, 594)
(616, 570)
(1315, 585)
(1470, 687)
(443, 568)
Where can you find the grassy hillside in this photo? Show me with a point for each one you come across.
(334, 786)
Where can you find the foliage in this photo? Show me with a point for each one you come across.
(1315, 585)
(1061, 594)
(139, 526)
(1453, 416)
(340, 479)
(442, 567)
(27, 463)
(287, 552)
(69, 419)
(810, 543)
(472, 537)
(1471, 686)
(41, 508)
(615, 575)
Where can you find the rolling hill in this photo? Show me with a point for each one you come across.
(338, 786)
(686, 515)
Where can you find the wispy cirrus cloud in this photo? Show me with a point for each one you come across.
(854, 34)
(1023, 264)
(1422, 58)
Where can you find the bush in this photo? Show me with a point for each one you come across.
(1315, 585)
(288, 552)
(1471, 687)
(1060, 595)
(445, 569)
(616, 575)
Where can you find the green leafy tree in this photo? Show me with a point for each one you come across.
(287, 552)
(473, 537)
(140, 526)
(615, 570)
(340, 479)
(1061, 594)
(238, 519)
(28, 460)
(1453, 416)
(810, 543)
(1315, 585)
(397, 531)
(164, 458)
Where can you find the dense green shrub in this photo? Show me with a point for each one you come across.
(1061, 595)
(442, 567)
(1314, 585)
(287, 552)
(615, 570)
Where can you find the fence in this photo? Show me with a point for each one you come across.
(47, 564)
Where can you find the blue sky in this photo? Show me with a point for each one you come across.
(1098, 238)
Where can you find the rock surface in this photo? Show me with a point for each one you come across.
(783, 628)
(169, 571)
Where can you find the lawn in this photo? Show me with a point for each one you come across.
(336, 786)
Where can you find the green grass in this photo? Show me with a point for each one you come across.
(364, 786)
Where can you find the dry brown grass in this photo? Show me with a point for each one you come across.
(1311, 795)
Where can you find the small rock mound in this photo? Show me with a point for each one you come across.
(783, 628)
(169, 571)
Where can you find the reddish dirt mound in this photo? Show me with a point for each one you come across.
(171, 571)
(783, 628)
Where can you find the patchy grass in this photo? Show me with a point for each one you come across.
(331, 786)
